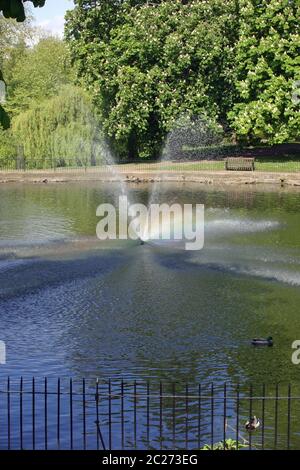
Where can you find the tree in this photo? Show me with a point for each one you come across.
(12, 33)
(8, 149)
(4, 119)
(15, 8)
(152, 64)
(34, 74)
(11, 9)
(61, 130)
(91, 22)
(267, 66)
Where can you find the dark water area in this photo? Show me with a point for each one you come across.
(71, 305)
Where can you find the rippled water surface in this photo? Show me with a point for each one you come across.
(72, 305)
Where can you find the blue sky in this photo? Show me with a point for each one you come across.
(51, 16)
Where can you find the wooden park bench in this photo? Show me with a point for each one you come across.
(240, 163)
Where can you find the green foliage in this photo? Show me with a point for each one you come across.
(153, 63)
(63, 129)
(13, 33)
(34, 74)
(230, 444)
(14, 38)
(163, 71)
(4, 119)
(7, 148)
(267, 65)
(15, 8)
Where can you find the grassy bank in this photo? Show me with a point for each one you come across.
(288, 164)
(278, 166)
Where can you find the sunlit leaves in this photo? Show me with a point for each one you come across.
(63, 128)
(37, 73)
(149, 65)
(267, 66)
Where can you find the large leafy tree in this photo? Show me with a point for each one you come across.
(267, 67)
(35, 74)
(12, 32)
(91, 22)
(153, 63)
(61, 130)
(7, 149)
(11, 9)
(15, 39)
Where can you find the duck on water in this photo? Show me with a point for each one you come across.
(262, 341)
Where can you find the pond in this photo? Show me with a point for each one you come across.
(71, 305)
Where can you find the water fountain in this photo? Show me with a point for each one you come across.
(221, 225)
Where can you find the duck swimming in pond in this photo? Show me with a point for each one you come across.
(262, 341)
(252, 424)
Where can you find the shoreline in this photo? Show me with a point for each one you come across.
(204, 177)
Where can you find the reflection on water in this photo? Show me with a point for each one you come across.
(119, 309)
(72, 305)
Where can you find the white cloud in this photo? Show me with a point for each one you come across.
(55, 25)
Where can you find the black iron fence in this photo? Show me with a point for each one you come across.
(84, 414)
(290, 164)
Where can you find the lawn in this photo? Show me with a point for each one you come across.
(284, 164)
(261, 164)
